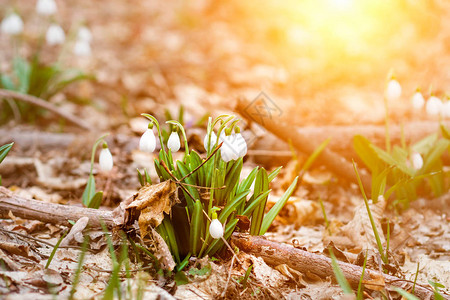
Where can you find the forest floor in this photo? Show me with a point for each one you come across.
(155, 57)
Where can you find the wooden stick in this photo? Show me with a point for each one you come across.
(333, 161)
(44, 104)
(50, 212)
(320, 265)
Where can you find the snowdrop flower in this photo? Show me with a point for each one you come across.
(417, 160)
(174, 142)
(46, 7)
(417, 100)
(212, 142)
(216, 229)
(84, 34)
(82, 48)
(433, 106)
(105, 159)
(228, 150)
(147, 143)
(55, 35)
(393, 90)
(240, 143)
(12, 24)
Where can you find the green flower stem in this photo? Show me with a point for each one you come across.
(186, 146)
(94, 148)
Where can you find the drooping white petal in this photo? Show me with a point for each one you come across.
(106, 160)
(212, 142)
(417, 160)
(82, 48)
(393, 90)
(174, 142)
(216, 229)
(227, 151)
(147, 143)
(55, 35)
(433, 106)
(46, 7)
(241, 145)
(417, 100)
(84, 34)
(12, 24)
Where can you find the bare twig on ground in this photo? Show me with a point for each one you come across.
(276, 254)
(50, 212)
(44, 104)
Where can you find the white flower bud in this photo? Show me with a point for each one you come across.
(82, 48)
(55, 35)
(212, 142)
(417, 100)
(46, 7)
(433, 106)
(106, 160)
(393, 90)
(147, 143)
(417, 160)
(12, 24)
(174, 142)
(84, 34)
(216, 229)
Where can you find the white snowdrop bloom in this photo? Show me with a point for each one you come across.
(105, 159)
(174, 142)
(212, 141)
(393, 90)
(228, 151)
(216, 229)
(46, 7)
(417, 160)
(147, 143)
(446, 109)
(82, 48)
(417, 100)
(84, 34)
(241, 145)
(433, 106)
(12, 24)
(55, 35)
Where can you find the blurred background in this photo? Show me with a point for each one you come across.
(321, 61)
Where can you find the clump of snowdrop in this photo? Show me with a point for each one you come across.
(417, 100)
(105, 160)
(173, 143)
(393, 90)
(433, 106)
(55, 35)
(46, 7)
(416, 160)
(12, 24)
(147, 143)
(82, 46)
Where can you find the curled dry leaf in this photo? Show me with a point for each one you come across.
(162, 252)
(75, 234)
(150, 204)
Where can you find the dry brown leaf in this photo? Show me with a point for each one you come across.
(162, 252)
(150, 204)
(76, 232)
(376, 283)
(359, 229)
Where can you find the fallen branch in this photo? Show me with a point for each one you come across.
(44, 104)
(320, 265)
(276, 125)
(50, 212)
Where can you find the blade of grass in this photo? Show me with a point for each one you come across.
(54, 250)
(76, 278)
(343, 283)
